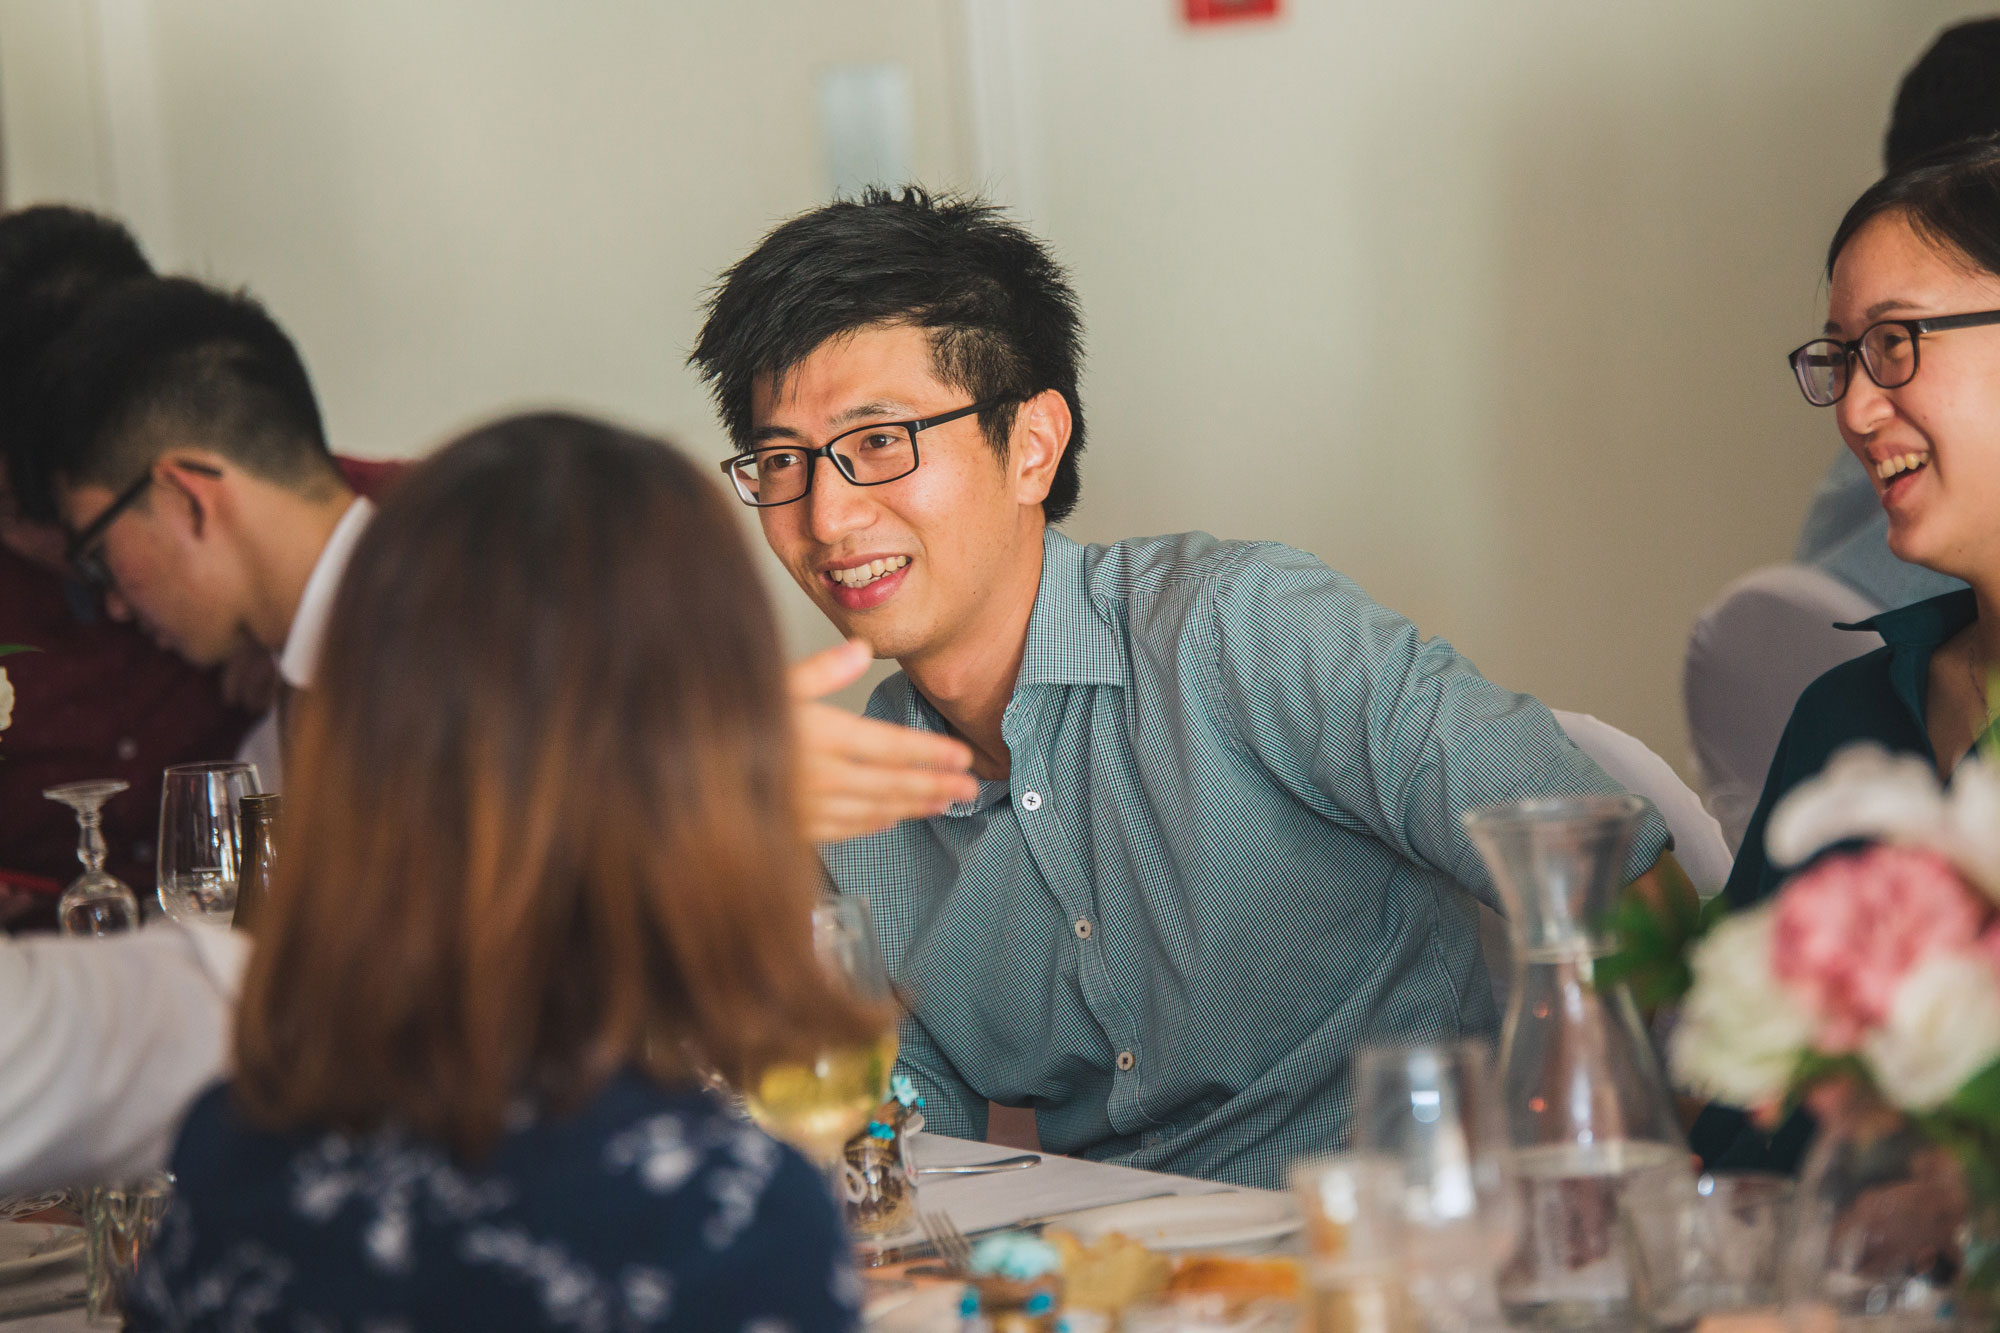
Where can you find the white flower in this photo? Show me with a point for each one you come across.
(1944, 1027)
(6, 700)
(1867, 794)
(1972, 824)
(1742, 1030)
(1863, 792)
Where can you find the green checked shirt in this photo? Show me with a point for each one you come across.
(1227, 856)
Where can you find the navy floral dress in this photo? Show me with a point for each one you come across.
(648, 1209)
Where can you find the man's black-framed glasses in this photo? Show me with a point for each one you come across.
(86, 548)
(1888, 352)
(870, 455)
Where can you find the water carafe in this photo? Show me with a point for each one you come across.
(1596, 1148)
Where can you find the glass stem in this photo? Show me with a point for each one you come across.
(90, 847)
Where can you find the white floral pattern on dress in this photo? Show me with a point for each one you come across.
(649, 1294)
(659, 1149)
(388, 1172)
(247, 1286)
(571, 1293)
(645, 1211)
(738, 1186)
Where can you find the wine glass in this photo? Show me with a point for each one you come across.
(819, 1105)
(1432, 1115)
(97, 902)
(201, 839)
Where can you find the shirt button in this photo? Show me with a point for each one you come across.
(1125, 1061)
(1082, 929)
(1031, 800)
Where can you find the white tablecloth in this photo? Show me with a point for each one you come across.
(61, 1281)
(1058, 1185)
(975, 1203)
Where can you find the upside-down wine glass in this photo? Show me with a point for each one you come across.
(97, 902)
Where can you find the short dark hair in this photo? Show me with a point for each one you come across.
(1950, 197)
(166, 360)
(1001, 313)
(1951, 93)
(53, 260)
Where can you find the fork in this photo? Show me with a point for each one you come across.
(949, 1242)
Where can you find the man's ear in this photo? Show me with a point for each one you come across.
(1040, 436)
(196, 484)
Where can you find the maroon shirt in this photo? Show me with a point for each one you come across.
(101, 700)
(98, 700)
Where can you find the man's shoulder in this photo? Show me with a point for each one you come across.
(1182, 564)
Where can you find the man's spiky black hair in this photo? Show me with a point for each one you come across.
(1001, 314)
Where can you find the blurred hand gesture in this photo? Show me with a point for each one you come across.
(858, 775)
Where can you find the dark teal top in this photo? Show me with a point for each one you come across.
(1877, 697)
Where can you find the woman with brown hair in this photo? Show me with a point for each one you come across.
(540, 864)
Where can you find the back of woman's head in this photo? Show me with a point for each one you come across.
(1950, 198)
(539, 818)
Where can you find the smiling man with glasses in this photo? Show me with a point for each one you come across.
(1156, 833)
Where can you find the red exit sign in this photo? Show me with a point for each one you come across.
(1228, 11)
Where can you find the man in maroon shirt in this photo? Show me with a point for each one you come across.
(98, 699)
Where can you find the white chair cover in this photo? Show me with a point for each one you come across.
(1752, 652)
(1698, 841)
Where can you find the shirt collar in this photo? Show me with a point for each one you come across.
(1070, 641)
(299, 658)
(1913, 633)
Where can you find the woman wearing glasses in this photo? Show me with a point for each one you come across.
(540, 864)
(1911, 366)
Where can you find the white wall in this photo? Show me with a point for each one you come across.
(1484, 303)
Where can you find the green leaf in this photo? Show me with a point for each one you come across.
(6, 648)
(1979, 1100)
(1653, 943)
(1988, 743)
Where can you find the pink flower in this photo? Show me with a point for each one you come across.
(1850, 928)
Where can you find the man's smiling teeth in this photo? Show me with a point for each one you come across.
(862, 575)
(1889, 467)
